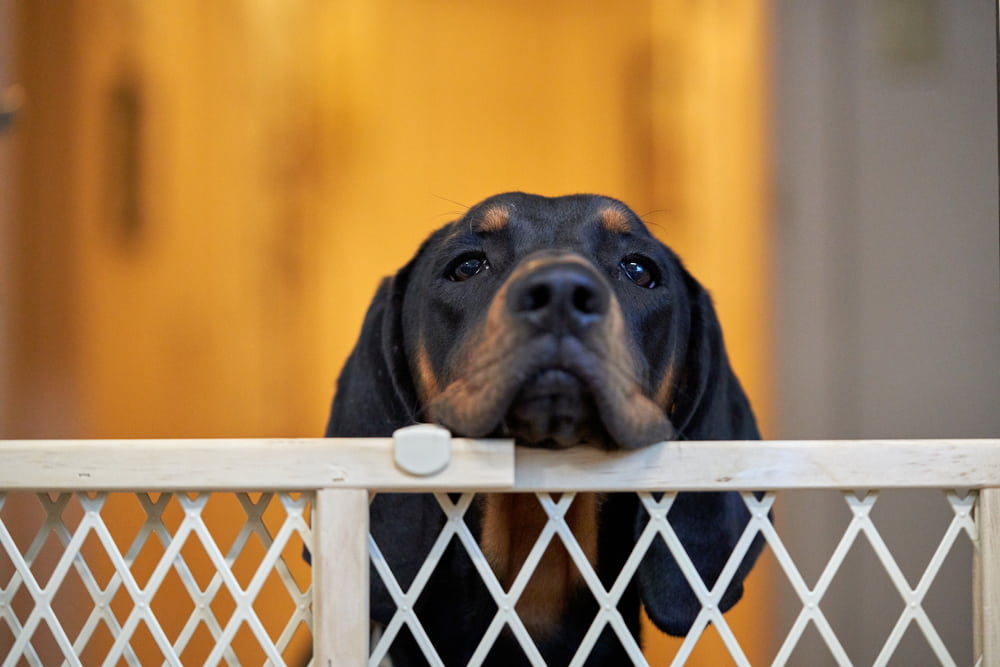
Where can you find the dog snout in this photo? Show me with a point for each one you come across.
(559, 297)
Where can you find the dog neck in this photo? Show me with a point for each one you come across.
(511, 525)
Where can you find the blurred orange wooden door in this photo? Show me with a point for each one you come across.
(234, 177)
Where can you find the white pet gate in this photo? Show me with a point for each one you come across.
(315, 493)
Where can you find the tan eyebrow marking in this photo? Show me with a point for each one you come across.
(614, 220)
(494, 219)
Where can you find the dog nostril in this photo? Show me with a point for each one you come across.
(585, 301)
(537, 298)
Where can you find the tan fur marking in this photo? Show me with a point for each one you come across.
(464, 395)
(532, 264)
(427, 383)
(665, 392)
(632, 403)
(614, 220)
(494, 219)
(511, 524)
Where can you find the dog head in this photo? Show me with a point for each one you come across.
(556, 321)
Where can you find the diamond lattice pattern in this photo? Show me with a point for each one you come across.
(154, 578)
(218, 578)
(811, 616)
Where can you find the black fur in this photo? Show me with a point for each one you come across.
(670, 325)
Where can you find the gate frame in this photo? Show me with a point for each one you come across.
(342, 472)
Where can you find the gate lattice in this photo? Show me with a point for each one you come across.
(315, 493)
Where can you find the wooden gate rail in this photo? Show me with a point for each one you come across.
(342, 472)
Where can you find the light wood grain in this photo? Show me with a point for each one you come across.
(340, 577)
(986, 589)
(775, 464)
(242, 464)
(316, 463)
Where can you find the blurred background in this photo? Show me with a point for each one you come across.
(197, 201)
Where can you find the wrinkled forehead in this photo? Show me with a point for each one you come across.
(550, 222)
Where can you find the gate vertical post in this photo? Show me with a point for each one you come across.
(986, 586)
(340, 577)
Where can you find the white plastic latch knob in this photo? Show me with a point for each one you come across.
(422, 449)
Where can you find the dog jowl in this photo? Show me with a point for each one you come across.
(557, 322)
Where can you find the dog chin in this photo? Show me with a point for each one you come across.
(554, 409)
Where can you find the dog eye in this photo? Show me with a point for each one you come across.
(641, 271)
(466, 267)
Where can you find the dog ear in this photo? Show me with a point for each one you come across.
(709, 402)
(375, 394)
(709, 405)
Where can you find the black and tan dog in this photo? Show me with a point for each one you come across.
(557, 322)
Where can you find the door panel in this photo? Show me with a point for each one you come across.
(240, 175)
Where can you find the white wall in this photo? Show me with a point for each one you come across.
(887, 282)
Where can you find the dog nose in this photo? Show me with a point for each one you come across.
(560, 297)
